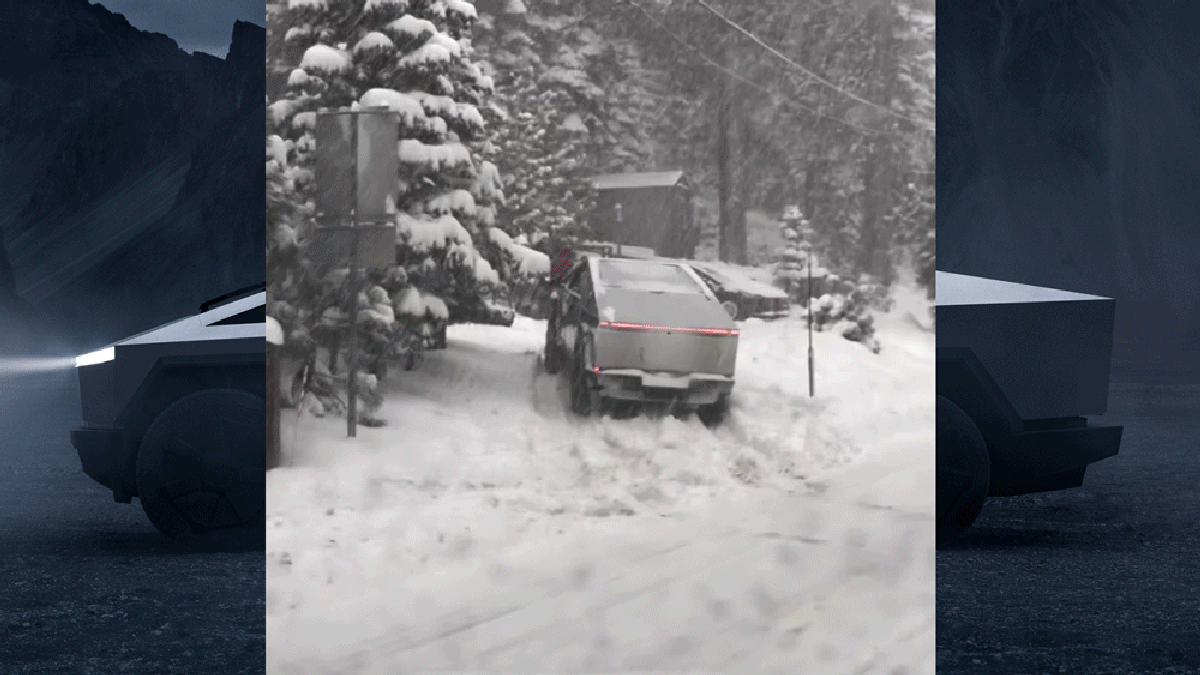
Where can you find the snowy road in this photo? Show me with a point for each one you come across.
(485, 530)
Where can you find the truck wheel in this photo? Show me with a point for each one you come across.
(201, 467)
(586, 400)
(963, 471)
(714, 414)
(550, 357)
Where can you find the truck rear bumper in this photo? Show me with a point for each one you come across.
(101, 452)
(1050, 459)
(629, 384)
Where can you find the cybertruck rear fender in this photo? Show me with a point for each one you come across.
(170, 379)
(1026, 455)
(962, 378)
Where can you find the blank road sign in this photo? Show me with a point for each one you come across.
(378, 164)
(334, 164)
(333, 246)
(372, 166)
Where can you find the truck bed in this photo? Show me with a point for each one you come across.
(1049, 351)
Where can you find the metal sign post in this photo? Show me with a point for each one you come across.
(356, 149)
(808, 245)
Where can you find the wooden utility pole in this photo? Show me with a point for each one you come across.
(723, 178)
(877, 170)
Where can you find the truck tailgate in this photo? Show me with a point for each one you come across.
(667, 350)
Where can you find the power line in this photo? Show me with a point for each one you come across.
(743, 79)
(815, 77)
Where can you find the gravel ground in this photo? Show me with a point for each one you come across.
(86, 584)
(1099, 579)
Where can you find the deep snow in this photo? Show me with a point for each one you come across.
(799, 536)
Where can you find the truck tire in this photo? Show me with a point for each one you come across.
(714, 414)
(963, 471)
(586, 401)
(201, 468)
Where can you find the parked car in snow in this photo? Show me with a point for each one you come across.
(176, 416)
(743, 296)
(644, 332)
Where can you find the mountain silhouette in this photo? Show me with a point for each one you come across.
(131, 171)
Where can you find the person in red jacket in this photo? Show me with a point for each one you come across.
(560, 266)
(564, 260)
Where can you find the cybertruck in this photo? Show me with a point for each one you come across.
(176, 416)
(645, 333)
(1018, 368)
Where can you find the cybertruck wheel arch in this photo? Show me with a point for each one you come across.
(962, 379)
(173, 378)
(201, 467)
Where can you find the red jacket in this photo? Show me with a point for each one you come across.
(562, 264)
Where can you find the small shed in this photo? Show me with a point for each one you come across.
(649, 209)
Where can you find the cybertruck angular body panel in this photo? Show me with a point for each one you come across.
(1018, 369)
(175, 416)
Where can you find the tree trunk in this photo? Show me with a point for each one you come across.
(877, 170)
(724, 243)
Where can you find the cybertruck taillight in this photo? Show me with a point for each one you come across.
(622, 325)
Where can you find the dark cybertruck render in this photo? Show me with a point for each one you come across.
(1017, 368)
(176, 417)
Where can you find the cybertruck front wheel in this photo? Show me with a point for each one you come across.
(201, 468)
(963, 471)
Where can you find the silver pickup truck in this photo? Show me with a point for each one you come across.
(1018, 368)
(642, 332)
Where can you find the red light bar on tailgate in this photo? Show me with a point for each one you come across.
(622, 325)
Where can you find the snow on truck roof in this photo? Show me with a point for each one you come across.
(961, 289)
(620, 181)
(208, 325)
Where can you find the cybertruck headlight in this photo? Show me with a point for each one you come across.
(92, 358)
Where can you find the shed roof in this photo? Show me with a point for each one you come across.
(620, 181)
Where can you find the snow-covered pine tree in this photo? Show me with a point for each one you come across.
(415, 57)
(543, 139)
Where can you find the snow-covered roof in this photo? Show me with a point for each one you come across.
(619, 181)
(738, 281)
(200, 326)
(960, 289)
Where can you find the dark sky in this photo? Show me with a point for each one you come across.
(1067, 155)
(197, 25)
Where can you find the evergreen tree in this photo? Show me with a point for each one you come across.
(414, 57)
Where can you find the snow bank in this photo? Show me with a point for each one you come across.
(479, 464)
